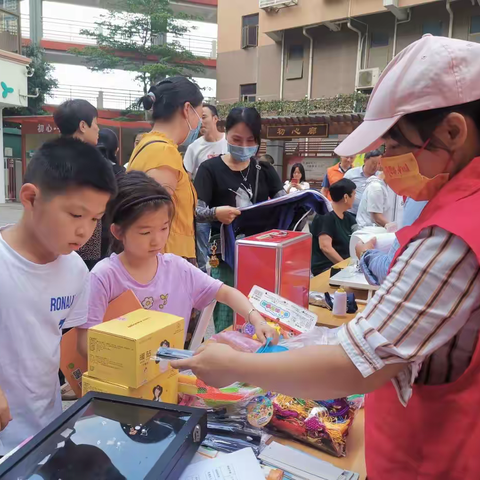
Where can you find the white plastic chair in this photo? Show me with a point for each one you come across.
(202, 325)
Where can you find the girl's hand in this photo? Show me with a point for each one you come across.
(213, 363)
(5, 416)
(263, 329)
(227, 215)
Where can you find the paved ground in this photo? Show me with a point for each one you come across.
(10, 213)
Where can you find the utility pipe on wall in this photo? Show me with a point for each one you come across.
(282, 66)
(450, 22)
(395, 31)
(359, 51)
(310, 63)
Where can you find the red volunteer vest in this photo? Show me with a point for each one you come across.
(437, 436)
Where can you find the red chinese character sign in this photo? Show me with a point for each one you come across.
(297, 131)
(40, 127)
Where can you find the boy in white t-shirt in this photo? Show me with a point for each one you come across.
(43, 282)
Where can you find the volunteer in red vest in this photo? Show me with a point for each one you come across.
(336, 173)
(415, 346)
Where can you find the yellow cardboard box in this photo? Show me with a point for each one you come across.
(120, 351)
(163, 388)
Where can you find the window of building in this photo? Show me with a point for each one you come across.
(434, 27)
(475, 25)
(248, 92)
(379, 39)
(250, 31)
(294, 62)
(10, 37)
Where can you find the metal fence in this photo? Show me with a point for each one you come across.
(64, 30)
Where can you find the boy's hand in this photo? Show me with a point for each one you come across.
(5, 416)
(263, 329)
(214, 363)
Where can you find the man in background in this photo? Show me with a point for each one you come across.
(211, 144)
(360, 175)
(336, 173)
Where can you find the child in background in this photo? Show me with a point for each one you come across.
(43, 283)
(141, 216)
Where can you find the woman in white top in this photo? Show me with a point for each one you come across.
(297, 180)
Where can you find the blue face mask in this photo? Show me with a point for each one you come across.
(194, 132)
(242, 154)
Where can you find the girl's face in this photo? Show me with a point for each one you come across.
(148, 235)
(297, 174)
(241, 136)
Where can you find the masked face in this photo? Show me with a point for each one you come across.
(242, 145)
(194, 131)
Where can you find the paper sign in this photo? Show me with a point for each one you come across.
(72, 364)
(287, 314)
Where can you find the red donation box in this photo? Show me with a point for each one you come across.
(278, 261)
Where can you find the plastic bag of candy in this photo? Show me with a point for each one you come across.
(316, 336)
(321, 424)
(238, 341)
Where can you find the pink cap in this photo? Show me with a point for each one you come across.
(433, 72)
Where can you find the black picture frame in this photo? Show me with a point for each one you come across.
(172, 462)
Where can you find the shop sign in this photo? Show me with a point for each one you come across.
(319, 130)
(13, 84)
(40, 127)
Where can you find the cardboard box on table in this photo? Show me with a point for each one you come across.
(168, 392)
(72, 364)
(278, 261)
(120, 351)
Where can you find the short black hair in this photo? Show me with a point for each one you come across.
(69, 114)
(65, 163)
(373, 153)
(250, 117)
(302, 171)
(169, 95)
(212, 108)
(108, 144)
(341, 188)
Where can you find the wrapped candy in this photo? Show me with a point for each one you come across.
(320, 424)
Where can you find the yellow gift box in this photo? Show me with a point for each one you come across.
(163, 388)
(120, 351)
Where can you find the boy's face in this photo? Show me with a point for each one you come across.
(65, 222)
(89, 134)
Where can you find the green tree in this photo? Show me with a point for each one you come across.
(40, 84)
(132, 37)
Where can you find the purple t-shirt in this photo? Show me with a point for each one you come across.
(177, 287)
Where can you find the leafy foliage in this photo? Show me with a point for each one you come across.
(41, 79)
(132, 37)
(353, 103)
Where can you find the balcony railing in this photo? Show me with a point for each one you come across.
(68, 31)
(110, 98)
(10, 39)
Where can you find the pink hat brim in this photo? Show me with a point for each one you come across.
(366, 137)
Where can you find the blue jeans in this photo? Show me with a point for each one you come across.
(203, 237)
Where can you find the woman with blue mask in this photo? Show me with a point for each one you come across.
(229, 182)
(176, 109)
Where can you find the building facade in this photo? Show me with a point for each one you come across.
(13, 80)
(292, 49)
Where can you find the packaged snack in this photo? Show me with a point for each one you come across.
(320, 424)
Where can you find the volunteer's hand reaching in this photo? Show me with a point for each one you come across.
(227, 215)
(361, 247)
(263, 329)
(214, 363)
(5, 416)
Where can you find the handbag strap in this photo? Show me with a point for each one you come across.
(258, 168)
(146, 145)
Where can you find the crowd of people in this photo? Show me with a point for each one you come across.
(151, 227)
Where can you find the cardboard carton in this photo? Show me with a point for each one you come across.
(120, 351)
(163, 388)
(72, 364)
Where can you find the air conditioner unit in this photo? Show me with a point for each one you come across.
(367, 78)
(276, 4)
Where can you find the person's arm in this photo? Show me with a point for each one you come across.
(375, 264)
(240, 304)
(189, 161)
(376, 203)
(5, 416)
(166, 176)
(379, 218)
(275, 185)
(372, 347)
(325, 243)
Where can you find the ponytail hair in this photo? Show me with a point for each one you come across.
(168, 96)
(137, 194)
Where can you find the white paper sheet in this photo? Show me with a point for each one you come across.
(241, 465)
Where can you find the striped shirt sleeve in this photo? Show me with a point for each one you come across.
(424, 302)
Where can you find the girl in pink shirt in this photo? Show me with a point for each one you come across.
(141, 215)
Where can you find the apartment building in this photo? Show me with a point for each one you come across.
(13, 76)
(292, 49)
